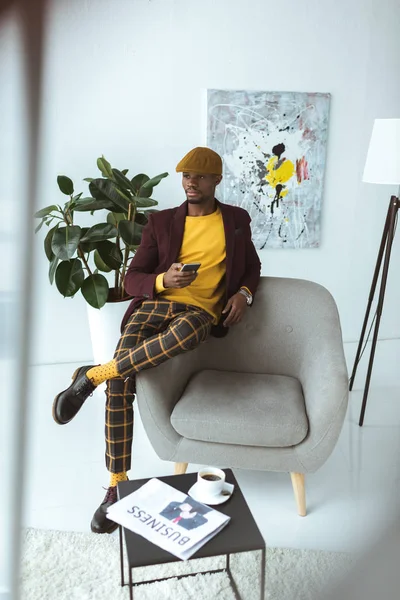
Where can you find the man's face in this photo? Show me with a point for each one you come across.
(199, 187)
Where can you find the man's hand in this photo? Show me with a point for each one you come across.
(236, 306)
(174, 278)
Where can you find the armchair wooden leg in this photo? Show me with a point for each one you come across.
(299, 492)
(180, 468)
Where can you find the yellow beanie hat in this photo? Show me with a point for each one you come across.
(200, 160)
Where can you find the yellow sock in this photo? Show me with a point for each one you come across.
(101, 373)
(117, 477)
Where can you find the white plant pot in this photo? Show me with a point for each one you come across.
(104, 326)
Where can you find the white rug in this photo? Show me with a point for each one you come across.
(79, 566)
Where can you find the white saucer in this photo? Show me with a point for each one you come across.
(211, 500)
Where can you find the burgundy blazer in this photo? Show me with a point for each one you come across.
(160, 246)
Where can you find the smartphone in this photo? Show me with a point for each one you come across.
(191, 267)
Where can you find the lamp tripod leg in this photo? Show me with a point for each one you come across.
(371, 295)
(394, 207)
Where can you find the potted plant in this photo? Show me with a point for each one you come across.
(76, 254)
(94, 260)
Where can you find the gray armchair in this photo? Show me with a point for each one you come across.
(272, 395)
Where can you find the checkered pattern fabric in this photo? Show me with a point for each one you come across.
(155, 332)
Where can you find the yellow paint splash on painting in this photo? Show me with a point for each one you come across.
(281, 174)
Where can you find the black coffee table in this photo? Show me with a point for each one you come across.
(240, 535)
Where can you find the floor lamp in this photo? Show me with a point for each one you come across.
(382, 166)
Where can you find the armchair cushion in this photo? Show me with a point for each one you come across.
(248, 409)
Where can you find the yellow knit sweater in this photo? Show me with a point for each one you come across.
(203, 242)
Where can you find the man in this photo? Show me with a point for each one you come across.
(188, 514)
(172, 311)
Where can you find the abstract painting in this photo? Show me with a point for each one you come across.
(273, 145)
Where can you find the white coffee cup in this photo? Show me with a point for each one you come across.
(210, 481)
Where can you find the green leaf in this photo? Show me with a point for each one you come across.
(73, 201)
(105, 167)
(145, 192)
(43, 212)
(39, 227)
(122, 181)
(86, 246)
(65, 241)
(114, 218)
(123, 195)
(154, 181)
(124, 171)
(130, 232)
(89, 179)
(141, 218)
(47, 243)
(110, 254)
(65, 184)
(95, 290)
(147, 185)
(144, 202)
(52, 269)
(100, 264)
(69, 277)
(139, 180)
(100, 232)
(90, 204)
(104, 188)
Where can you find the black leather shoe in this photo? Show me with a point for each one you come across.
(67, 403)
(100, 522)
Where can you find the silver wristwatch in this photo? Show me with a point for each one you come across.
(249, 297)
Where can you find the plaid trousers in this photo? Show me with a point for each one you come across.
(155, 332)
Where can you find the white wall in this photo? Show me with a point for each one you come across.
(125, 78)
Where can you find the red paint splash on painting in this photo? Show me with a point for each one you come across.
(302, 170)
(309, 134)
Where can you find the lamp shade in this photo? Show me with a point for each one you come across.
(383, 158)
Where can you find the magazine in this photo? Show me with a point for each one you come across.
(168, 518)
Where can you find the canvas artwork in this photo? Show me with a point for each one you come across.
(273, 145)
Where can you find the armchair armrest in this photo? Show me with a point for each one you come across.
(324, 378)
